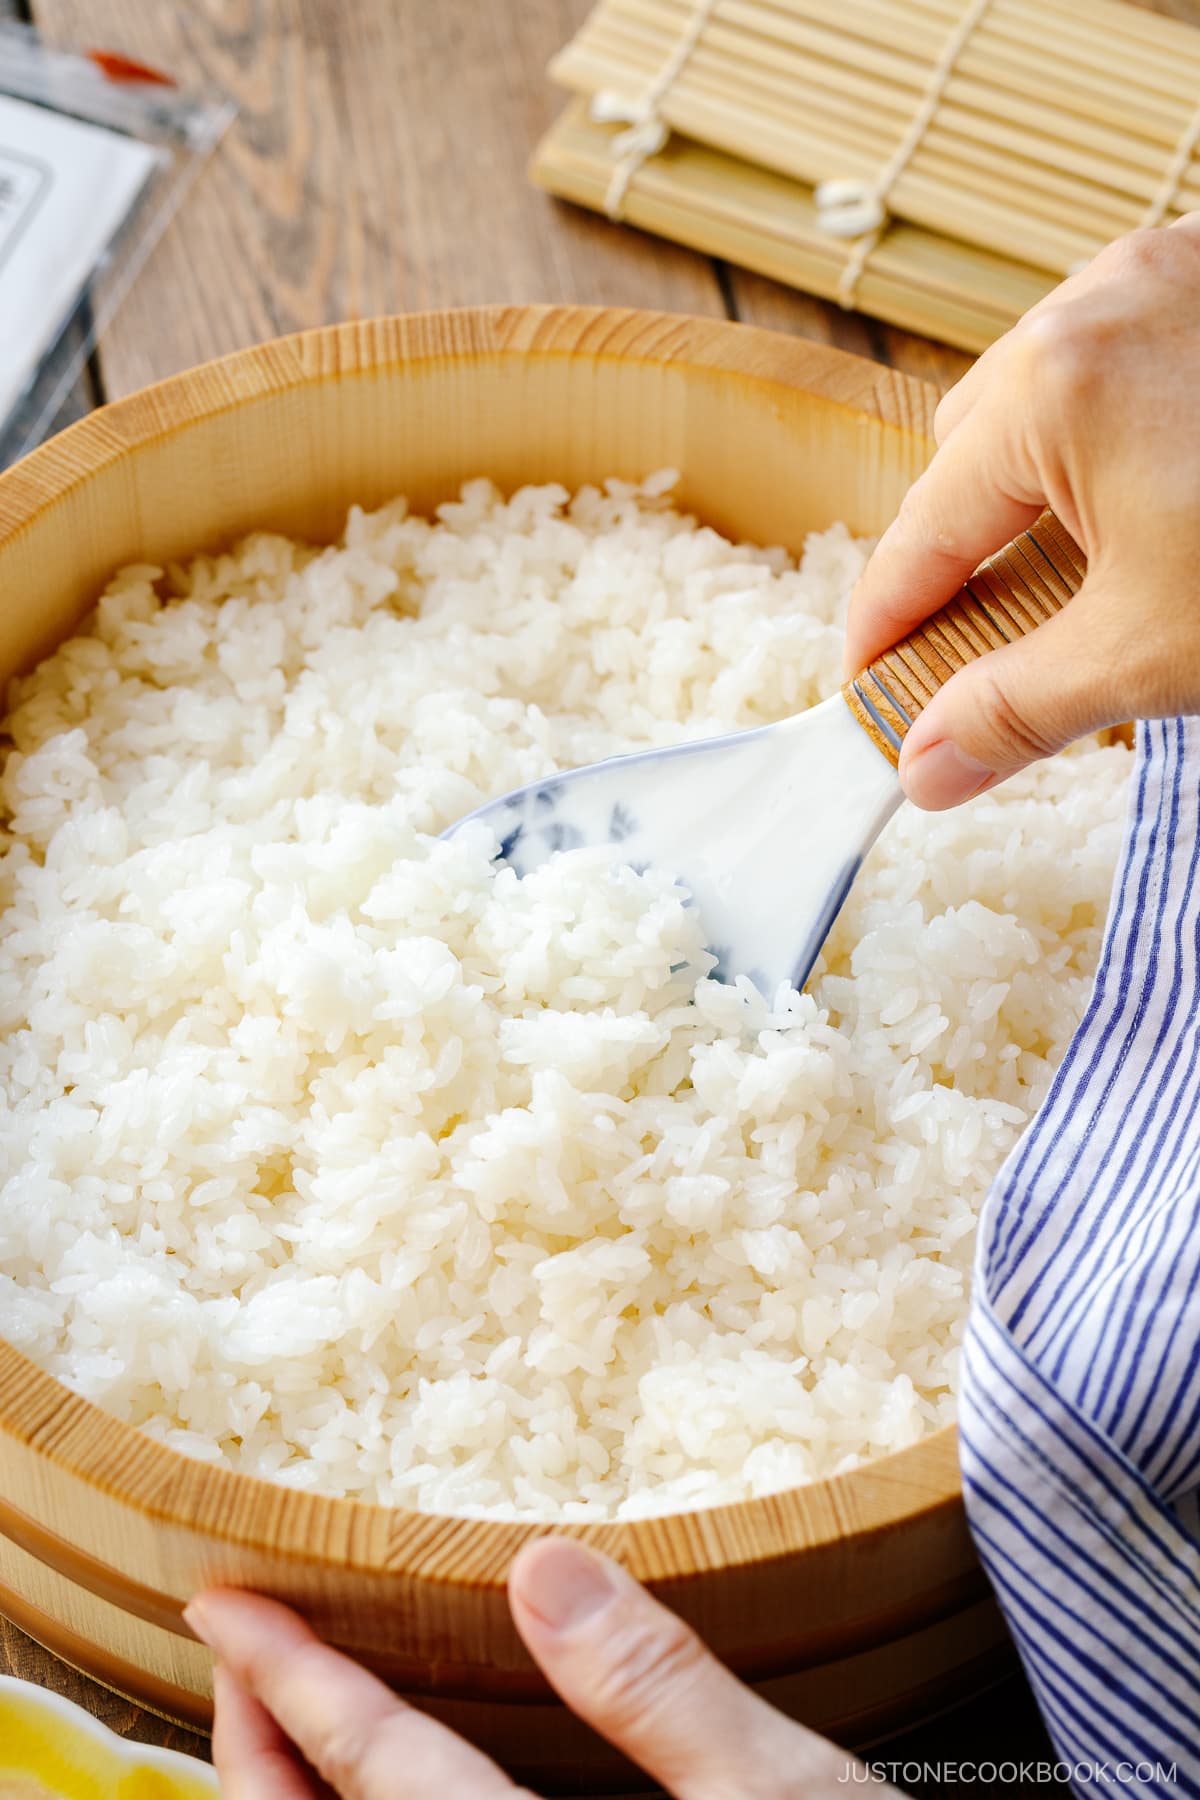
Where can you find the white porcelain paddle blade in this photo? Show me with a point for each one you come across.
(768, 828)
(765, 828)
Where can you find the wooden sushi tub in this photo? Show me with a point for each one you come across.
(856, 1602)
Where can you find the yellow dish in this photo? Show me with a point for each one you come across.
(52, 1750)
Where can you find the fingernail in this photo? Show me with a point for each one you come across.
(564, 1584)
(196, 1620)
(943, 775)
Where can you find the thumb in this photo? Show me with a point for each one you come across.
(637, 1674)
(1017, 704)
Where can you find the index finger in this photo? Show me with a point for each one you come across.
(251, 1753)
(972, 499)
(360, 1737)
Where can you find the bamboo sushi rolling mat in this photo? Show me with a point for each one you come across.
(342, 190)
(939, 164)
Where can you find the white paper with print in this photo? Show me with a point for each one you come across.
(65, 190)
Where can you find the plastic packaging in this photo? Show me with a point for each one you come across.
(96, 154)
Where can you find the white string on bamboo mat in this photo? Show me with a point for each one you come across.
(648, 131)
(1168, 188)
(1167, 192)
(858, 208)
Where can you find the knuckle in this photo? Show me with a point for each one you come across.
(1006, 725)
(1184, 234)
(356, 1755)
(1137, 253)
(945, 556)
(945, 414)
(650, 1665)
(922, 519)
(1058, 351)
(407, 1740)
(1141, 266)
(342, 1758)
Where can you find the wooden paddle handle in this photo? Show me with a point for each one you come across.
(1011, 594)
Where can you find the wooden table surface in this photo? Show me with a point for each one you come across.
(377, 164)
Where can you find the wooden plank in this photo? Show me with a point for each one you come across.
(758, 301)
(377, 165)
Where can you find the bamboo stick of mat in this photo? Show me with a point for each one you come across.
(1105, 35)
(1064, 75)
(959, 137)
(872, 107)
(1124, 122)
(860, 114)
(864, 34)
(712, 202)
(1045, 141)
(1017, 230)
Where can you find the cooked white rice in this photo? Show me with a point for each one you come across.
(334, 1155)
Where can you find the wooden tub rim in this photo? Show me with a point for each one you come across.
(250, 1513)
(247, 1513)
(855, 384)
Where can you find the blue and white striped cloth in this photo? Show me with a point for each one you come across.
(1080, 1417)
